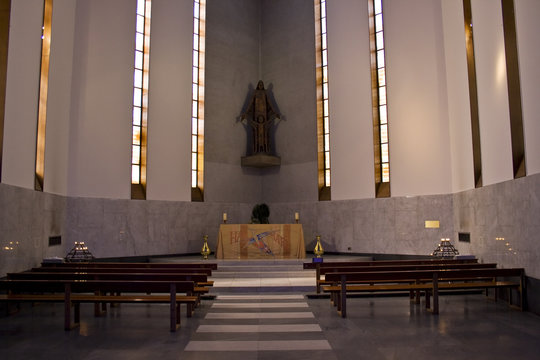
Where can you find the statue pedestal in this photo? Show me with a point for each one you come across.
(261, 160)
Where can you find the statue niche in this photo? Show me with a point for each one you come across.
(259, 116)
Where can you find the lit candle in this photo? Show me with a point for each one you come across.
(224, 216)
(296, 216)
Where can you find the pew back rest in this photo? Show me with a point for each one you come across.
(54, 286)
(212, 266)
(107, 276)
(311, 265)
(185, 270)
(327, 270)
(423, 275)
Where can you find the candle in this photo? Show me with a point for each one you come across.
(224, 216)
(296, 216)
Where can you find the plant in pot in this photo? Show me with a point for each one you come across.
(260, 214)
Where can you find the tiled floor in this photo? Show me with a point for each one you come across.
(278, 322)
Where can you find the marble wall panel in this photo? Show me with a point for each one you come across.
(325, 225)
(503, 222)
(27, 220)
(122, 228)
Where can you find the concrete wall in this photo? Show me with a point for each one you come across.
(232, 69)
(169, 103)
(457, 81)
(22, 89)
(351, 124)
(527, 13)
(493, 106)
(100, 133)
(288, 69)
(417, 99)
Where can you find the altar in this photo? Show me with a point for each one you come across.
(260, 241)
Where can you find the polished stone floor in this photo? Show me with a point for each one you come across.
(255, 319)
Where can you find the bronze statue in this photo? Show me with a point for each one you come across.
(260, 114)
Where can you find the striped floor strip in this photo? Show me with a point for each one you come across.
(259, 328)
(234, 314)
(260, 315)
(272, 345)
(259, 305)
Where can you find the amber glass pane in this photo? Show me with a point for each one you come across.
(378, 23)
(379, 38)
(195, 42)
(327, 142)
(327, 177)
(327, 159)
(384, 153)
(380, 58)
(139, 42)
(135, 174)
(382, 114)
(196, 26)
(386, 172)
(382, 95)
(135, 154)
(196, 10)
(137, 116)
(137, 78)
(378, 6)
(138, 59)
(140, 24)
(137, 94)
(384, 133)
(326, 127)
(140, 7)
(136, 135)
(382, 76)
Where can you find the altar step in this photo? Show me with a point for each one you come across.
(262, 276)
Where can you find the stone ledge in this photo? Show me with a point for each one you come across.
(261, 161)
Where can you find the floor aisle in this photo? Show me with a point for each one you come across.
(251, 324)
(261, 311)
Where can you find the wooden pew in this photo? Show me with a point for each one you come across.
(317, 266)
(439, 266)
(209, 265)
(430, 281)
(74, 292)
(122, 270)
(197, 278)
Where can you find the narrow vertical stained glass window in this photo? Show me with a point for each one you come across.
(43, 94)
(379, 100)
(140, 99)
(323, 112)
(197, 100)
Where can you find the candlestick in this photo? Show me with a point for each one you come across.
(224, 218)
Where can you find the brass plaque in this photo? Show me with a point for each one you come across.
(432, 224)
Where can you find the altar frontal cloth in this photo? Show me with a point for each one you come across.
(260, 241)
